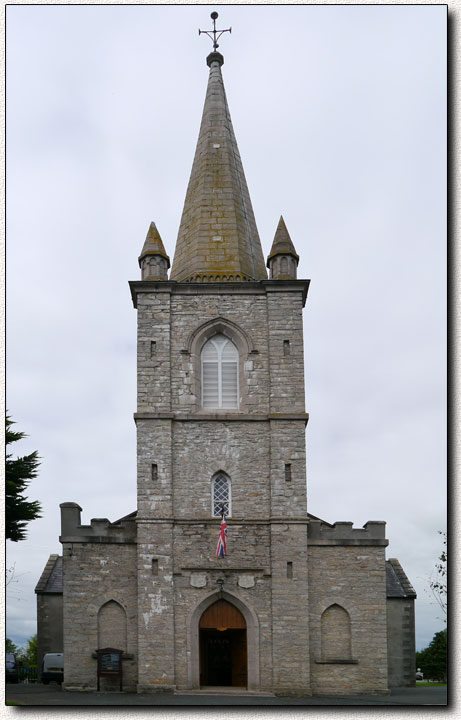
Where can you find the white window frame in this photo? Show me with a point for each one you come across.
(219, 350)
(219, 475)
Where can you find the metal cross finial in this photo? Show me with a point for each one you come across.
(214, 34)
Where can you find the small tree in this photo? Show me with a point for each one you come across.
(433, 659)
(30, 652)
(18, 473)
(11, 647)
(439, 585)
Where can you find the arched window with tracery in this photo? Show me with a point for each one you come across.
(221, 495)
(220, 373)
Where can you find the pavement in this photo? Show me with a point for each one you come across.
(49, 695)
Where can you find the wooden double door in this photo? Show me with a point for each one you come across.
(223, 646)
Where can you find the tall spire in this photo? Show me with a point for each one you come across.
(217, 238)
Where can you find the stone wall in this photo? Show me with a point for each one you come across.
(248, 313)
(351, 576)
(153, 361)
(247, 585)
(49, 626)
(240, 449)
(290, 601)
(99, 566)
(287, 444)
(401, 641)
(286, 353)
(254, 446)
(155, 607)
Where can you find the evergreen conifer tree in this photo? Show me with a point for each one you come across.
(18, 473)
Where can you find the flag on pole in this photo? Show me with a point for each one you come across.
(221, 548)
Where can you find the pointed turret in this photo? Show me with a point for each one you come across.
(217, 240)
(153, 261)
(283, 258)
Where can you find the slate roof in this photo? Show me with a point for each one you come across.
(282, 244)
(51, 578)
(397, 583)
(153, 244)
(314, 517)
(217, 239)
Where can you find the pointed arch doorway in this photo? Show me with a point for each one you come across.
(223, 646)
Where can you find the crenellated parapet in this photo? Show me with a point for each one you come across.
(100, 530)
(343, 533)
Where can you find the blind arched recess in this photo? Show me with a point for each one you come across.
(219, 373)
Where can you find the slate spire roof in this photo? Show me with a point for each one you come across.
(282, 244)
(153, 244)
(217, 239)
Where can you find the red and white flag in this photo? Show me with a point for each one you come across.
(221, 548)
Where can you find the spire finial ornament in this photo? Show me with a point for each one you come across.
(214, 34)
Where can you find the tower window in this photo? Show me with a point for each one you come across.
(288, 472)
(286, 347)
(154, 471)
(154, 566)
(221, 495)
(153, 348)
(219, 373)
(289, 570)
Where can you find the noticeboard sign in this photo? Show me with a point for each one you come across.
(110, 664)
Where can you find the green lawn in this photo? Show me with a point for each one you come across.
(423, 683)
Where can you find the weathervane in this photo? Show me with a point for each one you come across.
(214, 34)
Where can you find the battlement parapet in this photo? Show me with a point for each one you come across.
(342, 533)
(100, 530)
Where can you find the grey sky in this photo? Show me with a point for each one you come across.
(340, 117)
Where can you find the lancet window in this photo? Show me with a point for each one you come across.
(221, 495)
(220, 373)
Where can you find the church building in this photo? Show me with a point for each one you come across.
(295, 605)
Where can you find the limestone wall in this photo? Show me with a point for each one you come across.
(401, 641)
(249, 314)
(290, 623)
(49, 626)
(154, 387)
(95, 573)
(155, 607)
(262, 454)
(287, 444)
(250, 587)
(240, 449)
(286, 355)
(154, 446)
(352, 577)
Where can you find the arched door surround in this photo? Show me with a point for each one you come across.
(252, 630)
(223, 646)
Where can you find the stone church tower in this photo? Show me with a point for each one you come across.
(297, 605)
(221, 419)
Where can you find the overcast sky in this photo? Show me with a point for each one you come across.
(340, 117)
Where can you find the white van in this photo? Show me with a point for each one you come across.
(53, 668)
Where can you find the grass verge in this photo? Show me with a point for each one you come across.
(422, 683)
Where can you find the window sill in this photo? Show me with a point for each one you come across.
(337, 661)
